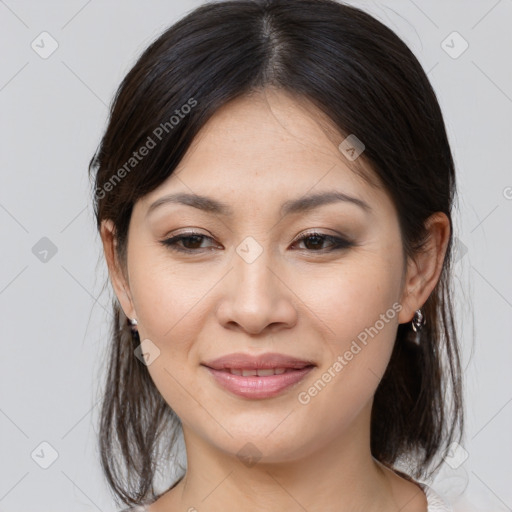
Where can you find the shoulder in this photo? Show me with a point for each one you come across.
(435, 502)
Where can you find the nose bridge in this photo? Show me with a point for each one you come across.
(256, 298)
(253, 270)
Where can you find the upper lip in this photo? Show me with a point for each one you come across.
(249, 362)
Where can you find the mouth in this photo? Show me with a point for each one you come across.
(257, 377)
(263, 372)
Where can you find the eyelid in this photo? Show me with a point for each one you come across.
(317, 232)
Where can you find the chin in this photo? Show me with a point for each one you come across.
(263, 442)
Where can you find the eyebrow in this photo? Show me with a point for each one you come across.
(292, 206)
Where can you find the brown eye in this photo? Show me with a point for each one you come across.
(190, 242)
(314, 242)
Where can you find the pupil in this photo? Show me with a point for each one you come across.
(316, 238)
(194, 238)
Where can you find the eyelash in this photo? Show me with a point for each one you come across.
(337, 243)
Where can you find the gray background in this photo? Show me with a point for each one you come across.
(54, 316)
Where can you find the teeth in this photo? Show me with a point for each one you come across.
(263, 372)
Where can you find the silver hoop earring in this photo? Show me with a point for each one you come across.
(418, 321)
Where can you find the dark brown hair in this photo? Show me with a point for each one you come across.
(365, 80)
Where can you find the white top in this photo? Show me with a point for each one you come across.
(434, 502)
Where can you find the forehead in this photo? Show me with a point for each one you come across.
(268, 144)
(269, 125)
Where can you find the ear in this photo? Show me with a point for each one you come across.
(117, 278)
(424, 270)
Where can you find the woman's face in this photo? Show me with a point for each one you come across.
(245, 283)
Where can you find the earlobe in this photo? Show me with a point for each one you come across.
(424, 270)
(412, 288)
(117, 279)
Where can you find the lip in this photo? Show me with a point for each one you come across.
(243, 361)
(258, 387)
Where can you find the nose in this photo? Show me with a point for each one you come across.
(255, 298)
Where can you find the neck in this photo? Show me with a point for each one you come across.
(338, 475)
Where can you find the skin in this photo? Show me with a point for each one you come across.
(295, 298)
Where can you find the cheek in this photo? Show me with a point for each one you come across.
(166, 298)
(353, 298)
(171, 303)
(170, 310)
(358, 312)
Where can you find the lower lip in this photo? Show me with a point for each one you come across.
(258, 387)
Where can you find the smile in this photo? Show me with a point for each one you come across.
(260, 383)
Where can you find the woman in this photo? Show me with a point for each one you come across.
(273, 193)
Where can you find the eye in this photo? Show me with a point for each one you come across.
(190, 241)
(314, 242)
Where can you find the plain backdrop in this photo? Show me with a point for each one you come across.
(54, 315)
